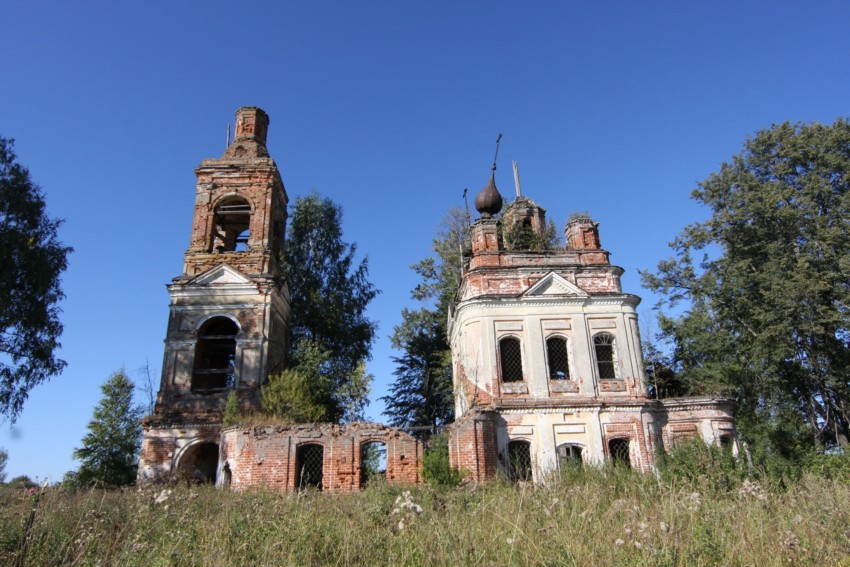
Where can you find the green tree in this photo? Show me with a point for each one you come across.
(421, 394)
(232, 411)
(329, 294)
(4, 458)
(109, 453)
(441, 274)
(32, 259)
(23, 481)
(662, 380)
(436, 465)
(301, 393)
(766, 283)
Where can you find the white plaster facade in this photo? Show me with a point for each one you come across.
(596, 407)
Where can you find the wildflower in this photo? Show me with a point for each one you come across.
(791, 540)
(405, 502)
(162, 497)
(510, 541)
(618, 541)
(406, 508)
(693, 501)
(751, 489)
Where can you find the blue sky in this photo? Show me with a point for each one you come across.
(391, 109)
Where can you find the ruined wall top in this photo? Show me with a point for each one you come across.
(249, 140)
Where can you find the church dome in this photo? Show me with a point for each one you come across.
(489, 202)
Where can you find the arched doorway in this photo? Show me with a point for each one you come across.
(373, 461)
(618, 451)
(198, 463)
(309, 464)
(519, 460)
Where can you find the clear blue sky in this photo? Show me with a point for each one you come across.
(391, 109)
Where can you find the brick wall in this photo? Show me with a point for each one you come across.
(267, 456)
(472, 445)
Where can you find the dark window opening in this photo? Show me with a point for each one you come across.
(232, 221)
(559, 364)
(604, 346)
(198, 465)
(510, 359)
(726, 442)
(226, 475)
(309, 464)
(215, 355)
(569, 456)
(373, 462)
(618, 450)
(519, 461)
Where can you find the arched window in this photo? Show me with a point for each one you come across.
(569, 456)
(519, 460)
(603, 345)
(510, 359)
(559, 363)
(373, 461)
(309, 464)
(215, 354)
(232, 221)
(618, 450)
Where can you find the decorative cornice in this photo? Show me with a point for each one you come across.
(546, 301)
(219, 306)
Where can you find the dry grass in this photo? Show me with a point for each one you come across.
(595, 517)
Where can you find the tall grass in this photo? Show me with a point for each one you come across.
(586, 517)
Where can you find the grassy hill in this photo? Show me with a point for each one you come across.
(588, 517)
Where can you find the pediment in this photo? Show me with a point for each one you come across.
(220, 275)
(553, 284)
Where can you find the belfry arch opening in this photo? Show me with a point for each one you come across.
(215, 356)
(199, 463)
(232, 221)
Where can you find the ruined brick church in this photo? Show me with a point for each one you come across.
(545, 348)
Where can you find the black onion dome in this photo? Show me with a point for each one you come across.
(489, 202)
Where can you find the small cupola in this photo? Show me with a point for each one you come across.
(488, 202)
(582, 233)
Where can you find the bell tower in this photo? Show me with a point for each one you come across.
(229, 309)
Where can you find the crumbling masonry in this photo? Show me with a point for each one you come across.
(545, 345)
